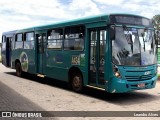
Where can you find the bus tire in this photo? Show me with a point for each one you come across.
(18, 69)
(77, 82)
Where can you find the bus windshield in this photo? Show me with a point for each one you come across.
(133, 46)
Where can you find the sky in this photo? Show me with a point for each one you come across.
(17, 14)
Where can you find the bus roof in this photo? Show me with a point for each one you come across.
(90, 19)
(9, 32)
(79, 21)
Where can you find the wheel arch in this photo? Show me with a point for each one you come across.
(72, 71)
(17, 61)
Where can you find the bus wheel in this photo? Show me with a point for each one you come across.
(18, 70)
(77, 82)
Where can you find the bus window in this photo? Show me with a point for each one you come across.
(19, 37)
(55, 39)
(74, 38)
(102, 43)
(3, 43)
(93, 47)
(29, 40)
(19, 41)
(3, 39)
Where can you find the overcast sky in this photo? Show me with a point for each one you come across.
(16, 14)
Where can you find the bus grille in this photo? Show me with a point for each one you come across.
(138, 78)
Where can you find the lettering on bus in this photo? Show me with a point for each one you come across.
(59, 58)
(75, 60)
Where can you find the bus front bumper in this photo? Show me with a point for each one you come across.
(120, 86)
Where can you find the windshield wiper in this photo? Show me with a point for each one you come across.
(128, 37)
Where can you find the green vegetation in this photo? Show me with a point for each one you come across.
(156, 22)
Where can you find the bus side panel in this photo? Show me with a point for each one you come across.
(15, 56)
(75, 59)
(59, 62)
(31, 60)
(4, 54)
(55, 65)
(18, 54)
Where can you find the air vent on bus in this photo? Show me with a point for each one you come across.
(138, 78)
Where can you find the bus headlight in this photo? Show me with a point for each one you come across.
(116, 72)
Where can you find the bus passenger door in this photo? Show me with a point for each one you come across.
(97, 38)
(8, 51)
(41, 45)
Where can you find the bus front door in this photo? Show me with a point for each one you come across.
(41, 45)
(97, 38)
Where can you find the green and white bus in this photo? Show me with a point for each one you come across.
(115, 52)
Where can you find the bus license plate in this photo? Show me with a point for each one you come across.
(141, 85)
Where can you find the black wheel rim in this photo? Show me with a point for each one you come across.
(77, 83)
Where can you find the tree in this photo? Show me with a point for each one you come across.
(156, 23)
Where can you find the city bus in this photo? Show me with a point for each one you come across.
(112, 52)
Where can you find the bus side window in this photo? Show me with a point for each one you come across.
(55, 39)
(3, 43)
(74, 38)
(19, 41)
(29, 40)
(3, 39)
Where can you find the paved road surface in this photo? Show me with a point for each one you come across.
(31, 93)
(13, 101)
